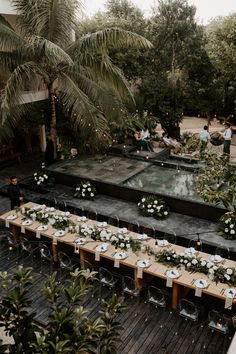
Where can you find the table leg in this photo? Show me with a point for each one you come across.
(175, 296)
(54, 252)
(138, 281)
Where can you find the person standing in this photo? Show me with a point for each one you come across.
(227, 135)
(14, 193)
(204, 138)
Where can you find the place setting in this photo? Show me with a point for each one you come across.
(10, 217)
(100, 249)
(39, 229)
(25, 223)
(142, 264)
(190, 251)
(102, 225)
(230, 295)
(79, 242)
(143, 237)
(200, 284)
(216, 258)
(118, 256)
(172, 274)
(59, 233)
(82, 219)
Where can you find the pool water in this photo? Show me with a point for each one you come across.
(165, 180)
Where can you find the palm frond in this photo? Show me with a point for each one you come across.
(96, 42)
(9, 39)
(45, 49)
(102, 96)
(20, 80)
(51, 19)
(82, 110)
(10, 60)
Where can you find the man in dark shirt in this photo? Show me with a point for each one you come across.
(14, 192)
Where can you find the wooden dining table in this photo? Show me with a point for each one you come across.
(180, 285)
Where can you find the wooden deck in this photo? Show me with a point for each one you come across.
(146, 330)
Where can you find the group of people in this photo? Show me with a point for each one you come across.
(227, 135)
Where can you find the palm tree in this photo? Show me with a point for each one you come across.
(78, 72)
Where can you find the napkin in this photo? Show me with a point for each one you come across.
(76, 249)
(97, 256)
(22, 229)
(228, 303)
(169, 282)
(198, 292)
(117, 263)
(7, 223)
(140, 273)
(54, 241)
(38, 235)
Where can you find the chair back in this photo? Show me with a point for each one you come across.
(128, 286)
(188, 310)
(26, 246)
(195, 243)
(92, 214)
(149, 230)
(133, 226)
(156, 296)
(224, 252)
(218, 321)
(170, 237)
(64, 261)
(114, 221)
(44, 252)
(105, 277)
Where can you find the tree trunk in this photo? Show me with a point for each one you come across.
(53, 122)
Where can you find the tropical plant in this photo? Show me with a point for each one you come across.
(68, 330)
(79, 73)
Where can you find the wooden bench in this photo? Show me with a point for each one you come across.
(8, 153)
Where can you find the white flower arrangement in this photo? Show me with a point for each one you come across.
(153, 206)
(228, 225)
(40, 177)
(85, 190)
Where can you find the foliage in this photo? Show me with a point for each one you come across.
(79, 74)
(43, 178)
(68, 330)
(85, 190)
(216, 181)
(151, 205)
(192, 144)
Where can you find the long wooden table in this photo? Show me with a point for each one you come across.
(180, 285)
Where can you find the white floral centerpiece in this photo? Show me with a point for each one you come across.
(228, 225)
(118, 240)
(41, 176)
(88, 230)
(85, 190)
(151, 205)
(62, 222)
(40, 213)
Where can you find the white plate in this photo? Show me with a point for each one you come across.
(143, 237)
(173, 273)
(82, 218)
(102, 248)
(26, 222)
(230, 293)
(201, 283)
(120, 255)
(190, 250)
(42, 227)
(102, 224)
(122, 231)
(216, 258)
(163, 243)
(59, 233)
(143, 263)
(80, 241)
(12, 217)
